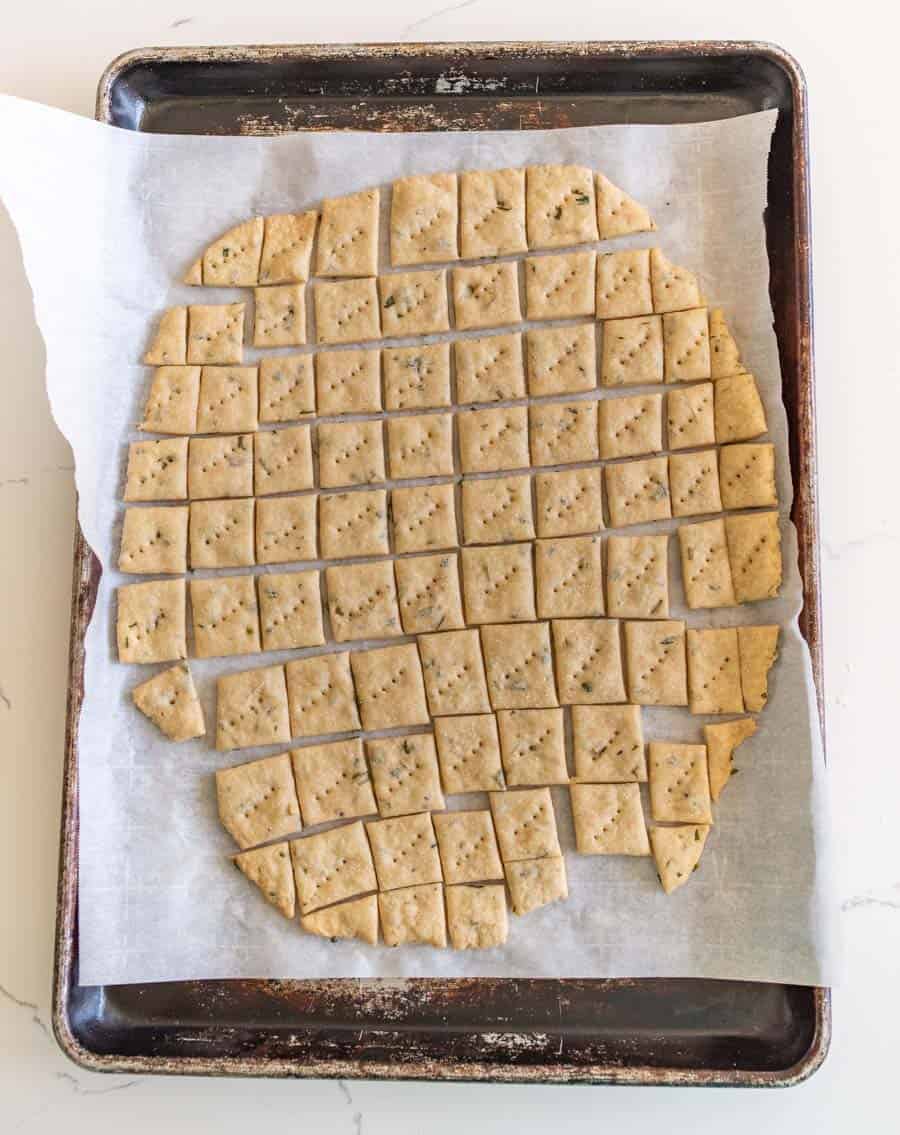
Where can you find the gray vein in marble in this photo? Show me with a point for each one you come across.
(416, 24)
(869, 900)
(22, 1004)
(81, 1090)
(881, 536)
(3, 697)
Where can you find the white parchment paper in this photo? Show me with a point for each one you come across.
(108, 221)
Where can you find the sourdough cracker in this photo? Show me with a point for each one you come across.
(623, 284)
(154, 541)
(561, 360)
(560, 207)
(560, 287)
(525, 824)
(424, 517)
(588, 661)
(157, 470)
(220, 467)
(347, 311)
(722, 739)
(416, 378)
(498, 583)
(404, 850)
(414, 303)
(279, 316)
(257, 801)
(405, 774)
(714, 678)
(739, 411)
(169, 343)
(725, 357)
(569, 502)
(608, 743)
(467, 846)
(497, 510)
(215, 334)
(287, 248)
(469, 753)
(694, 483)
(679, 783)
(655, 662)
(630, 427)
(454, 673)
(414, 916)
(252, 709)
(492, 213)
(519, 665)
(331, 866)
(489, 369)
(362, 601)
(389, 688)
(534, 883)
(424, 219)
(150, 621)
(686, 345)
(758, 648)
(350, 453)
(532, 747)
(568, 577)
(286, 388)
(492, 440)
(353, 524)
(232, 261)
(609, 819)
(754, 552)
(638, 491)
(420, 446)
(485, 295)
(476, 916)
(225, 616)
(677, 853)
(348, 235)
(290, 610)
(705, 569)
(637, 576)
(562, 433)
(356, 919)
(321, 698)
(270, 869)
(169, 699)
(747, 476)
(617, 213)
(282, 461)
(348, 382)
(632, 348)
(689, 416)
(171, 406)
(674, 287)
(285, 529)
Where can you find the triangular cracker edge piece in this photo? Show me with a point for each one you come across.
(232, 261)
(169, 699)
(721, 741)
(617, 213)
(758, 648)
(677, 852)
(674, 288)
(724, 353)
(355, 919)
(270, 868)
(169, 344)
(194, 275)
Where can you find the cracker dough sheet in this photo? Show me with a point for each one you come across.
(109, 221)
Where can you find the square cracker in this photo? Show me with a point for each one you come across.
(169, 343)
(331, 866)
(686, 345)
(413, 916)
(632, 351)
(561, 433)
(286, 388)
(287, 248)
(469, 753)
(232, 261)
(588, 661)
(350, 453)
(623, 285)
(629, 427)
(714, 673)
(454, 673)
(362, 601)
(486, 295)
(348, 382)
(348, 235)
(353, 524)
(519, 666)
(286, 529)
(638, 491)
(424, 219)
(424, 517)
(754, 552)
(347, 920)
(405, 774)
(568, 577)
(490, 440)
(467, 846)
(617, 213)
(347, 311)
(414, 303)
(674, 288)
(220, 467)
(637, 576)
(429, 593)
(476, 916)
(525, 824)
(420, 446)
(221, 533)
(158, 470)
(169, 699)
(252, 709)
(489, 369)
(609, 819)
(655, 662)
(405, 851)
(225, 616)
(497, 510)
(689, 416)
(154, 541)
(561, 360)
(150, 621)
(747, 476)
(283, 460)
(533, 747)
(498, 583)
(171, 406)
(535, 883)
(492, 213)
(569, 501)
(739, 411)
(706, 573)
(257, 801)
(228, 400)
(560, 287)
(679, 783)
(694, 483)
(560, 206)
(416, 378)
(320, 695)
(279, 316)
(608, 742)
(389, 687)
(290, 610)
(215, 334)
(758, 650)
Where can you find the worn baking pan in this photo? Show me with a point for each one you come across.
(647, 1032)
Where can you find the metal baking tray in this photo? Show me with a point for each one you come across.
(624, 1031)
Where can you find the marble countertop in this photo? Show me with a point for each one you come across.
(54, 53)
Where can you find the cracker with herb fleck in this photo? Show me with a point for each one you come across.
(405, 851)
(533, 747)
(290, 610)
(348, 235)
(357, 919)
(747, 476)
(525, 824)
(154, 541)
(150, 621)
(476, 916)
(638, 491)
(169, 343)
(429, 593)
(389, 687)
(632, 349)
(285, 529)
(560, 207)
(655, 662)
(287, 248)
(333, 781)
(609, 819)
(420, 446)
(416, 378)
(617, 213)
(714, 678)
(588, 661)
(754, 552)
(608, 743)
(171, 406)
(424, 517)
(560, 287)
(694, 483)
(169, 699)
(321, 698)
(722, 739)
(215, 334)
(534, 883)
(413, 916)
(414, 303)
(279, 316)
(568, 577)
(405, 774)
(623, 285)
(225, 616)
(679, 783)
(705, 569)
(424, 219)
(561, 433)
(468, 847)
(286, 388)
(674, 287)
(469, 753)
(220, 467)
(221, 533)
(252, 709)
(491, 440)
(686, 345)
(637, 576)
(331, 866)
(497, 510)
(629, 427)
(350, 453)
(498, 583)
(353, 524)
(362, 601)
(486, 295)
(348, 382)
(739, 411)
(232, 261)
(677, 852)
(347, 311)
(758, 650)
(725, 357)
(569, 501)
(283, 460)
(257, 801)
(519, 665)
(489, 369)
(454, 673)
(561, 360)
(270, 869)
(689, 416)
(492, 213)
(158, 470)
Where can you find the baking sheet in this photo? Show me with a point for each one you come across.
(108, 221)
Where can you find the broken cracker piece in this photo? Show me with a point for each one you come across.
(270, 868)
(721, 741)
(677, 852)
(355, 919)
(169, 700)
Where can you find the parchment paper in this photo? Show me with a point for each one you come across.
(108, 221)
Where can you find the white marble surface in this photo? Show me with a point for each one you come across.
(54, 52)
